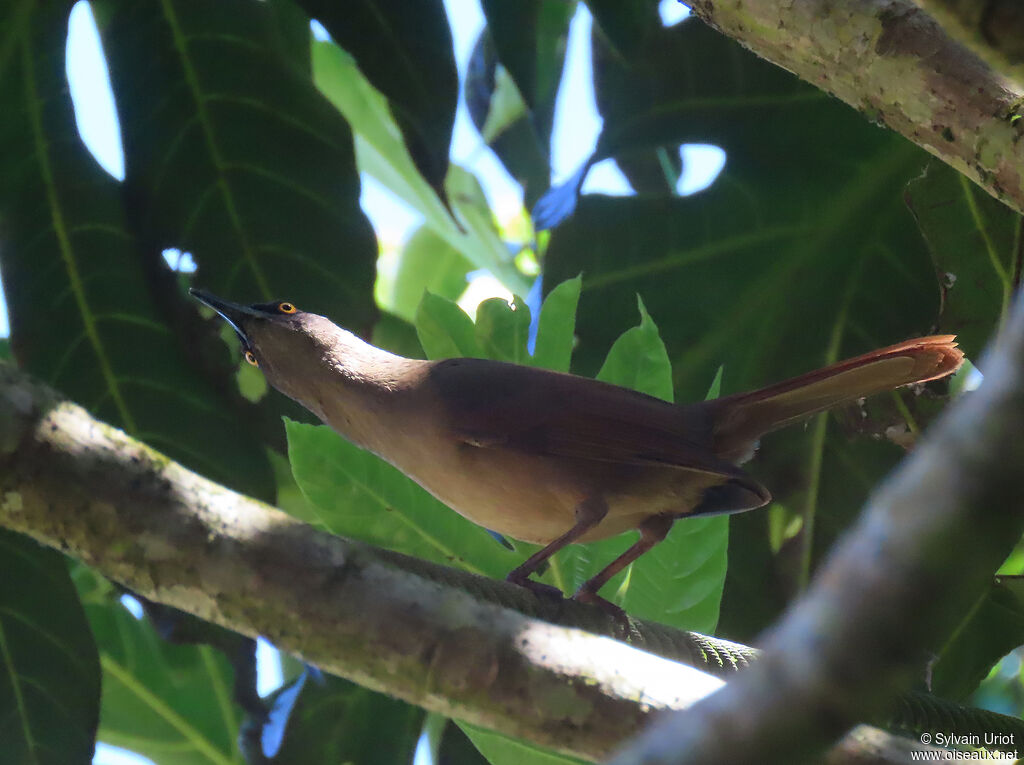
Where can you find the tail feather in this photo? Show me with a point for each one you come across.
(745, 417)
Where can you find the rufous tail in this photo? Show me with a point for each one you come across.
(743, 418)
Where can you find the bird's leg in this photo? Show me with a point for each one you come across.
(652, 531)
(589, 513)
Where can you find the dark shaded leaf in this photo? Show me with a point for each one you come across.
(988, 633)
(171, 703)
(405, 51)
(336, 721)
(503, 119)
(625, 23)
(503, 750)
(977, 245)
(530, 38)
(237, 158)
(518, 61)
(49, 667)
(84, 313)
(455, 748)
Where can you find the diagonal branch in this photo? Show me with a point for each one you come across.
(891, 61)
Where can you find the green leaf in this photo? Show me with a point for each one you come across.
(556, 326)
(232, 154)
(512, 83)
(716, 385)
(502, 330)
(336, 721)
(405, 51)
(625, 23)
(382, 154)
(503, 120)
(502, 750)
(530, 38)
(88, 314)
(427, 263)
(975, 242)
(357, 495)
(49, 667)
(993, 629)
(171, 703)
(638, 360)
(444, 329)
(679, 582)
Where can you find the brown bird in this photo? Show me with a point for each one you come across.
(547, 457)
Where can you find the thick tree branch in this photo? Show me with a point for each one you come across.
(993, 29)
(893, 62)
(892, 591)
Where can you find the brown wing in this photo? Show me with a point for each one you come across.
(496, 405)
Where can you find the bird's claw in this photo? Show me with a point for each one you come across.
(619, 616)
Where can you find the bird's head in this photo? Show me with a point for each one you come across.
(288, 345)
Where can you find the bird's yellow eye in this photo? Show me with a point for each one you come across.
(251, 358)
(286, 308)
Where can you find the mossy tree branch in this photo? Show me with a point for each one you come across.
(893, 62)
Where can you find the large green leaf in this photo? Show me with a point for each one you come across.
(84, 295)
(336, 721)
(381, 153)
(171, 703)
(235, 156)
(427, 263)
(49, 668)
(358, 495)
(977, 244)
(405, 50)
(993, 629)
(502, 750)
(625, 23)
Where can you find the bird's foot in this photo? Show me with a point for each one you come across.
(620, 617)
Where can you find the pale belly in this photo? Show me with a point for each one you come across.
(527, 498)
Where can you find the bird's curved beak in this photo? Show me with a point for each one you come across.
(233, 313)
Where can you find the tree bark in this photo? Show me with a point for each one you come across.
(894, 63)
